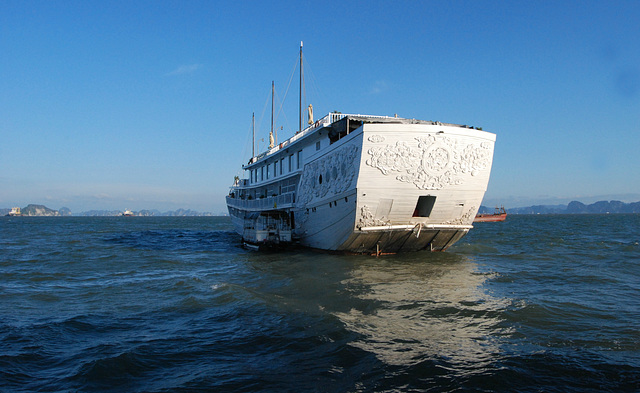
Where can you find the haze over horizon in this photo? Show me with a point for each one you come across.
(147, 105)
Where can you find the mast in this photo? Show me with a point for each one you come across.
(253, 128)
(273, 89)
(300, 95)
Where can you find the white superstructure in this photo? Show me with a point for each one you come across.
(365, 184)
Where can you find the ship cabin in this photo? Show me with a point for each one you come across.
(272, 177)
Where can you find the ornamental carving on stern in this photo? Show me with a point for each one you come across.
(376, 138)
(367, 219)
(465, 219)
(436, 162)
(330, 175)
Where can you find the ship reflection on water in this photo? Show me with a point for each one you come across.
(425, 310)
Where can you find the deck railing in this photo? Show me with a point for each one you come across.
(273, 202)
(326, 120)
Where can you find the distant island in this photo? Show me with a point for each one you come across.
(574, 207)
(34, 210)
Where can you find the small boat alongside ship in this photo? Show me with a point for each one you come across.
(500, 214)
(364, 184)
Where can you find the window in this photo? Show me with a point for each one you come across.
(317, 145)
(268, 165)
(281, 165)
(299, 164)
(291, 163)
(424, 206)
(275, 169)
(261, 173)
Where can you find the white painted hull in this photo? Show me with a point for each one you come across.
(384, 187)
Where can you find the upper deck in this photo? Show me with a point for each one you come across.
(340, 122)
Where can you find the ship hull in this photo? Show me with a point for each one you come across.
(490, 217)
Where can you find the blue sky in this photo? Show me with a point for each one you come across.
(147, 104)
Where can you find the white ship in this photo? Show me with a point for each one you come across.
(15, 212)
(365, 184)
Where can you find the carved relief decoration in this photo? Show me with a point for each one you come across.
(331, 175)
(436, 162)
(367, 219)
(465, 219)
(376, 138)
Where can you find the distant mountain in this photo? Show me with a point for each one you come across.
(147, 213)
(575, 207)
(39, 210)
(96, 213)
(603, 207)
(539, 209)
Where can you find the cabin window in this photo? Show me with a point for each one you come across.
(424, 206)
(275, 169)
(291, 163)
(268, 165)
(299, 164)
(281, 165)
(317, 145)
(261, 173)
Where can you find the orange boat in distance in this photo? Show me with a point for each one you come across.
(499, 215)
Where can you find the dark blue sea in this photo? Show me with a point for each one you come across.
(167, 304)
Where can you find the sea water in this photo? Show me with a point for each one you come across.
(167, 304)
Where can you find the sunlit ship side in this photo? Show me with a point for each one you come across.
(365, 184)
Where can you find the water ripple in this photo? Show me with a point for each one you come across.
(172, 304)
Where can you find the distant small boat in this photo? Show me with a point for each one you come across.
(128, 213)
(499, 215)
(15, 211)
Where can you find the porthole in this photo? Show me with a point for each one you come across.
(320, 179)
